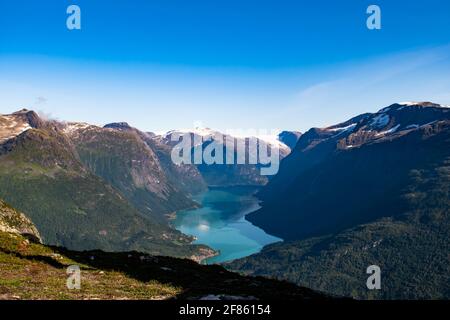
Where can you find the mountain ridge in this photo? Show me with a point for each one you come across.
(43, 175)
(363, 131)
(373, 190)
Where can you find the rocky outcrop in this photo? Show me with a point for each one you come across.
(12, 221)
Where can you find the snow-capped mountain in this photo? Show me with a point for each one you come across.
(322, 184)
(396, 119)
(108, 183)
(12, 125)
(231, 174)
(373, 189)
(210, 134)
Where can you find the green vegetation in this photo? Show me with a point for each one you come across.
(127, 163)
(41, 176)
(412, 249)
(31, 270)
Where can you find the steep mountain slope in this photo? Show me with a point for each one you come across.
(353, 173)
(229, 174)
(412, 249)
(378, 193)
(122, 158)
(41, 174)
(30, 270)
(186, 178)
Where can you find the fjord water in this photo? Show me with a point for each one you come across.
(220, 223)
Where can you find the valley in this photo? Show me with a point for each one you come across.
(32, 270)
(372, 190)
(110, 188)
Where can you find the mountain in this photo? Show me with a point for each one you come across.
(187, 178)
(70, 197)
(353, 172)
(120, 275)
(229, 174)
(120, 155)
(371, 191)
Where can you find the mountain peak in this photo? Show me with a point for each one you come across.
(118, 126)
(23, 110)
(414, 104)
(12, 125)
(29, 116)
(421, 103)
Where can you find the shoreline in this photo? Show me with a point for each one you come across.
(204, 252)
(207, 252)
(201, 259)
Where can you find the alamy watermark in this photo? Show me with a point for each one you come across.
(374, 20)
(374, 280)
(74, 278)
(228, 149)
(73, 21)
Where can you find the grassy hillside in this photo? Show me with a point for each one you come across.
(33, 271)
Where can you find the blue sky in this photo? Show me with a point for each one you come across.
(229, 64)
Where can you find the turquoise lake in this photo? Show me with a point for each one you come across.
(220, 223)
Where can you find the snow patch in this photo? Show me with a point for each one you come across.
(422, 104)
(380, 121)
(409, 103)
(392, 130)
(72, 127)
(351, 126)
(270, 139)
(203, 132)
(24, 128)
(12, 126)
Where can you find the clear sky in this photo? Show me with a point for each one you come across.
(165, 64)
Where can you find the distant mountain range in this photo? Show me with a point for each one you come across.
(232, 174)
(87, 187)
(103, 188)
(359, 167)
(371, 190)
(112, 188)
